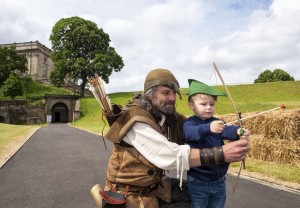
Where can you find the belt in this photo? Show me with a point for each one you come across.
(135, 189)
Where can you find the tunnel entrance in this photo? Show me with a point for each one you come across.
(60, 113)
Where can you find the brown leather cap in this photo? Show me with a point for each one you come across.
(162, 77)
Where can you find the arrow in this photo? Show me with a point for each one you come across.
(282, 106)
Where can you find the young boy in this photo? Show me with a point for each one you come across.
(206, 184)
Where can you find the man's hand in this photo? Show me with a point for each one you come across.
(233, 151)
(217, 126)
(237, 150)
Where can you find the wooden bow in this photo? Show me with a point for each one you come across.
(238, 118)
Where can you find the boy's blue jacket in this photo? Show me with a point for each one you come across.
(198, 135)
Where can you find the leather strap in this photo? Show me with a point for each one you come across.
(127, 188)
(212, 155)
(220, 154)
(116, 113)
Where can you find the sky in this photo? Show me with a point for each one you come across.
(243, 37)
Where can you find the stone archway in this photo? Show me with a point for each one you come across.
(62, 108)
(60, 113)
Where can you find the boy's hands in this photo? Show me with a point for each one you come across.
(217, 126)
(244, 134)
(240, 132)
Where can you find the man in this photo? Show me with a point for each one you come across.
(148, 140)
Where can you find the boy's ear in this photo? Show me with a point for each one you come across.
(191, 105)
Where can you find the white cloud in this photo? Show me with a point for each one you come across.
(270, 40)
(243, 37)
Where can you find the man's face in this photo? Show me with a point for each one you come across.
(164, 99)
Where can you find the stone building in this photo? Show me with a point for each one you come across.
(56, 108)
(39, 63)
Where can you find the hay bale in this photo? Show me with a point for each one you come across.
(281, 124)
(275, 136)
(275, 150)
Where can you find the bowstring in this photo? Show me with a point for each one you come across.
(102, 131)
(214, 74)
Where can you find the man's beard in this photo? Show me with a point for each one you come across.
(158, 112)
(167, 109)
(155, 110)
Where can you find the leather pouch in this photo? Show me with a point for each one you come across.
(117, 112)
(112, 199)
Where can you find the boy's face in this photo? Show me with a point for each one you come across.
(203, 105)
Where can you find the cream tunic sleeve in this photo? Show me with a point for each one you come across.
(157, 149)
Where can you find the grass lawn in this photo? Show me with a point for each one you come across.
(12, 137)
(286, 175)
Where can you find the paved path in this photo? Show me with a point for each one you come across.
(56, 167)
(250, 194)
(59, 164)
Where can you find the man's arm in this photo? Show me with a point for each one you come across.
(233, 152)
(167, 155)
(156, 148)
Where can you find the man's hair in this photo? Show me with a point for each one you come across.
(145, 102)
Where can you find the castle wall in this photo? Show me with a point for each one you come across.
(57, 108)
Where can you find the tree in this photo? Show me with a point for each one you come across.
(280, 75)
(275, 76)
(81, 50)
(13, 86)
(265, 76)
(10, 62)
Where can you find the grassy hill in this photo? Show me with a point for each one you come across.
(247, 98)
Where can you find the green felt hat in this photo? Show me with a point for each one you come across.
(196, 87)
